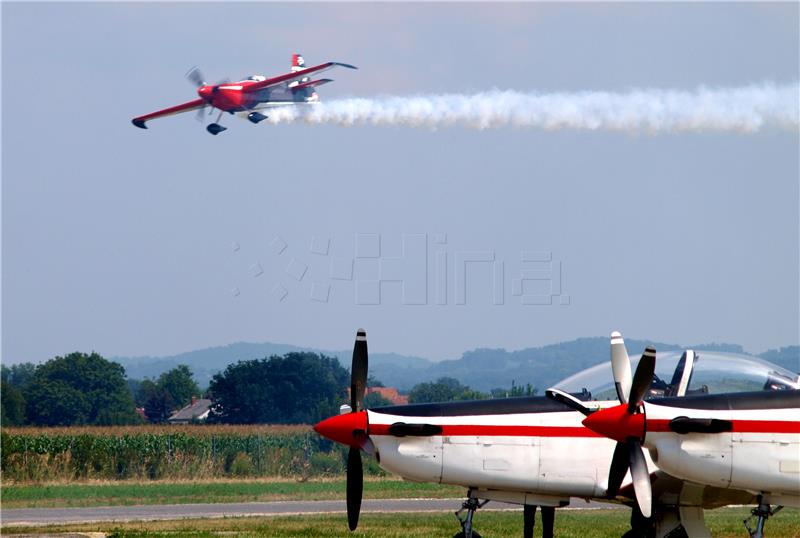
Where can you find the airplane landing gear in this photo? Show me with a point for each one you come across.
(470, 505)
(641, 527)
(215, 128)
(256, 117)
(761, 513)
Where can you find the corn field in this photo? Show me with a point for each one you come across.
(166, 452)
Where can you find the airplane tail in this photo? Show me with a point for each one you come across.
(298, 63)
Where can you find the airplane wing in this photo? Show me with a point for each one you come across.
(310, 84)
(177, 109)
(296, 75)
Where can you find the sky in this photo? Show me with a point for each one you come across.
(132, 242)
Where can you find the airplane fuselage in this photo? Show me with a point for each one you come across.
(232, 98)
(531, 450)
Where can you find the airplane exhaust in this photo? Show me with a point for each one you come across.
(746, 109)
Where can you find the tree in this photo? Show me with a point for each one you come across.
(12, 405)
(515, 391)
(180, 385)
(18, 375)
(173, 390)
(79, 389)
(444, 389)
(373, 381)
(156, 401)
(374, 399)
(293, 389)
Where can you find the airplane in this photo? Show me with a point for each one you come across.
(248, 98)
(543, 450)
(722, 441)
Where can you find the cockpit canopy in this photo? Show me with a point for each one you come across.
(713, 373)
(257, 78)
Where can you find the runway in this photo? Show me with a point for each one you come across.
(53, 516)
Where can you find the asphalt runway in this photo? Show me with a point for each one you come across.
(52, 516)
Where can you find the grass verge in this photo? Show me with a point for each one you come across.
(130, 493)
(724, 523)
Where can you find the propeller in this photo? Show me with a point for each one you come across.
(358, 370)
(195, 76)
(355, 486)
(206, 91)
(358, 387)
(350, 428)
(620, 367)
(625, 423)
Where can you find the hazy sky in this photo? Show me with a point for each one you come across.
(154, 242)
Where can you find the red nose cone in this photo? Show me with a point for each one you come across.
(348, 429)
(616, 423)
(204, 92)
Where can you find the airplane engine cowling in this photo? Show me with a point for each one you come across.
(732, 460)
(698, 458)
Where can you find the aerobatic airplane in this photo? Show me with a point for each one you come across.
(250, 97)
(704, 450)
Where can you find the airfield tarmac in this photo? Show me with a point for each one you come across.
(51, 516)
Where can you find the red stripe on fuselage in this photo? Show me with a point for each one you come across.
(500, 431)
(739, 426)
(656, 425)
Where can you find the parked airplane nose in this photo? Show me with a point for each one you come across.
(616, 423)
(349, 429)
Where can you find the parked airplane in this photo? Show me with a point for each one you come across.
(250, 96)
(536, 451)
(747, 441)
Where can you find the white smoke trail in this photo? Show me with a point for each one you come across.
(744, 109)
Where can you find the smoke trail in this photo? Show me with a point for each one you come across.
(744, 109)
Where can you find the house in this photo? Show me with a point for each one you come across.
(389, 393)
(195, 411)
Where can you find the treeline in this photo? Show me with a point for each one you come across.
(296, 388)
(448, 389)
(74, 389)
(80, 389)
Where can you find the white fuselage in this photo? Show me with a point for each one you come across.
(535, 453)
(760, 455)
(552, 456)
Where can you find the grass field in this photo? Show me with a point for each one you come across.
(129, 493)
(724, 523)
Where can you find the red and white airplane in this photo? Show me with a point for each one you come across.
(248, 98)
(704, 450)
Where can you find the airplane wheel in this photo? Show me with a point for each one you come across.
(215, 128)
(462, 534)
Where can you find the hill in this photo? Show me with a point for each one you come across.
(481, 369)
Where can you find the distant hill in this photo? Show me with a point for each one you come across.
(207, 362)
(788, 357)
(481, 369)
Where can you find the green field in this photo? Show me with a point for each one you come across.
(724, 523)
(129, 493)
